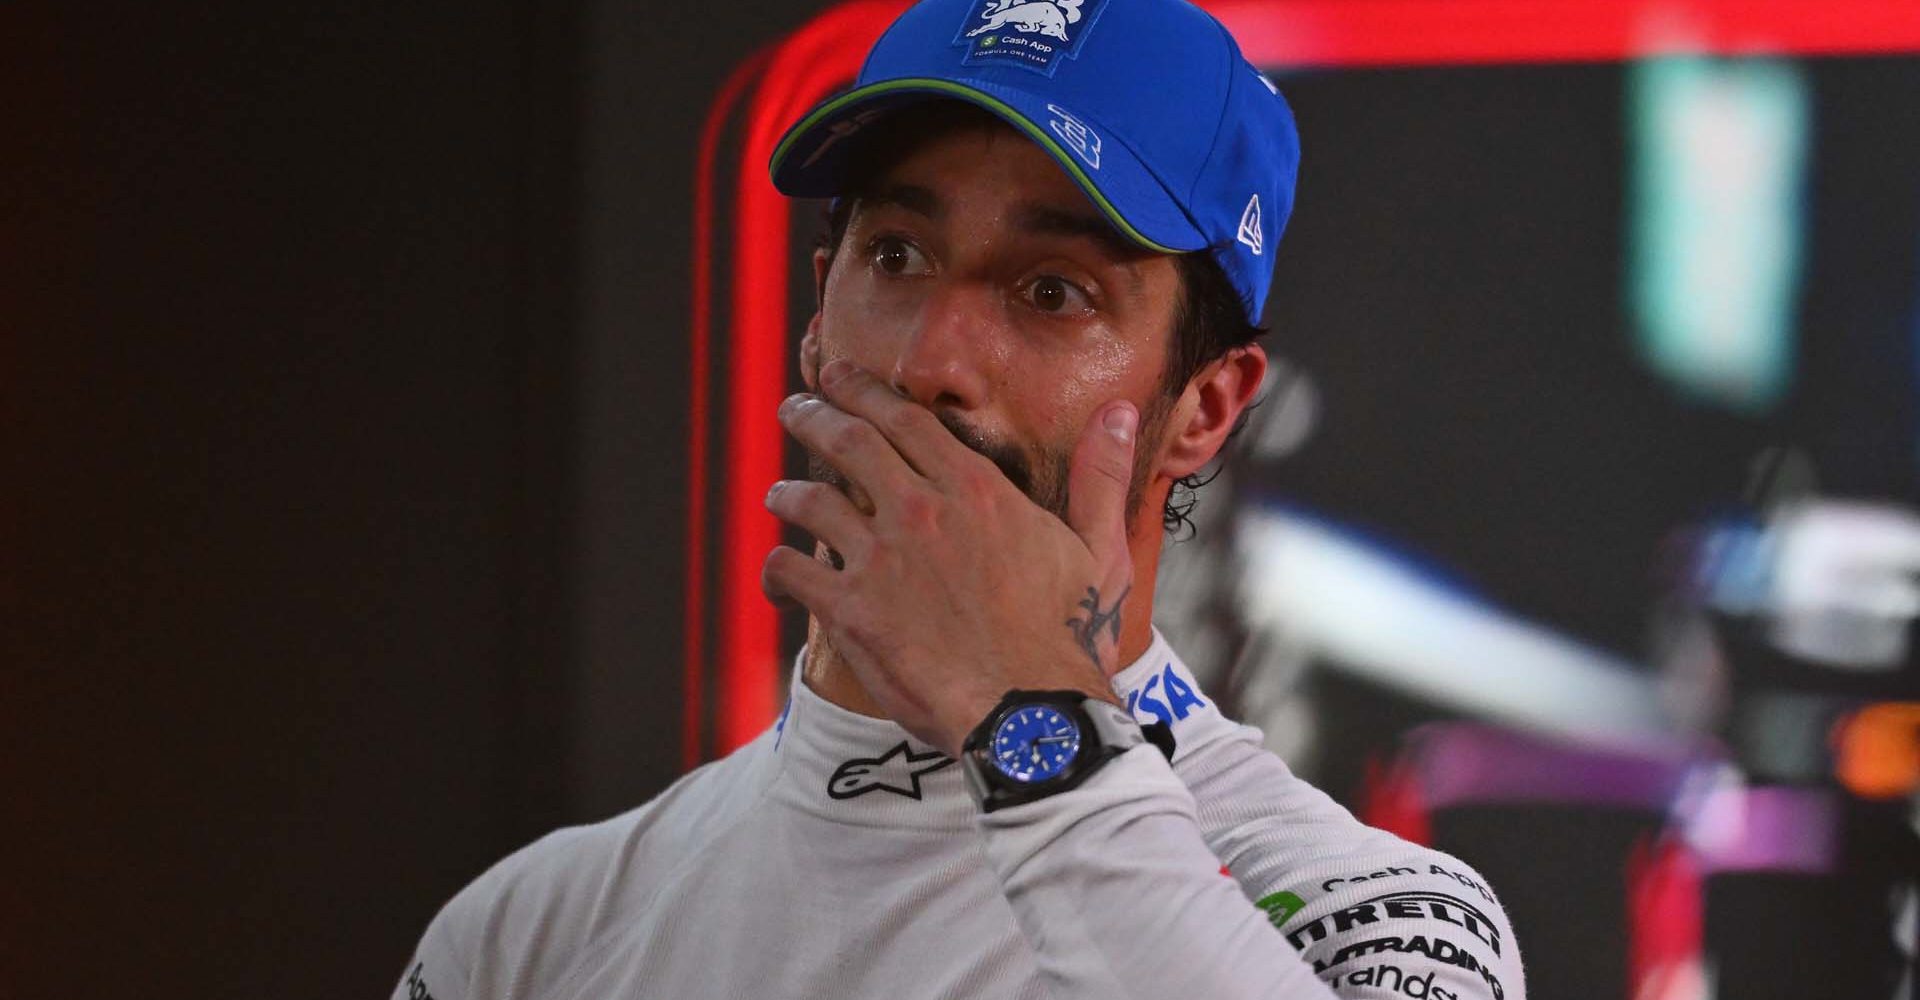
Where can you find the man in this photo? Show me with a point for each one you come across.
(1051, 247)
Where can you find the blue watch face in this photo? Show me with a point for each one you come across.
(1034, 743)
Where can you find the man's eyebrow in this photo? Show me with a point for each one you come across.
(1047, 220)
(912, 197)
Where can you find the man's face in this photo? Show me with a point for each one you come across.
(979, 280)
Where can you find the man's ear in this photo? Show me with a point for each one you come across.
(822, 262)
(810, 342)
(1209, 408)
(810, 355)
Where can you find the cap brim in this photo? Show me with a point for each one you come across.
(811, 159)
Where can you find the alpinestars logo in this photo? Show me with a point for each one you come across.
(1250, 232)
(899, 771)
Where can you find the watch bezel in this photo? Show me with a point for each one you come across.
(1022, 713)
(994, 789)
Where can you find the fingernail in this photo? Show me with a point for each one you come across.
(778, 485)
(792, 403)
(834, 371)
(1119, 423)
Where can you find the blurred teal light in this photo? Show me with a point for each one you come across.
(1717, 162)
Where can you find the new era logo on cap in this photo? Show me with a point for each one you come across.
(1250, 232)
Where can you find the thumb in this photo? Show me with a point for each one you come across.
(1098, 480)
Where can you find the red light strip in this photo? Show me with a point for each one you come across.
(805, 67)
(1355, 33)
(826, 53)
(700, 407)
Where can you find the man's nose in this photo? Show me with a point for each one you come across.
(944, 359)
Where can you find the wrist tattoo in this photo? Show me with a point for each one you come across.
(1087, 630)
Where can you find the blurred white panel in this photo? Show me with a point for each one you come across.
(1370, 613)
(1846, 582)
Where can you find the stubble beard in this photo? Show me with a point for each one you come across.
(1043, 478)
(1042, 475)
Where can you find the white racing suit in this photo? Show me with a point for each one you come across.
(835, 857)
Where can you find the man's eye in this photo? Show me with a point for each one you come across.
(897, 256)
(1054, 294)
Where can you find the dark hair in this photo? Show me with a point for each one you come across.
(1207, 322)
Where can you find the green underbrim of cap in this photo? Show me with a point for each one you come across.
(988, 101)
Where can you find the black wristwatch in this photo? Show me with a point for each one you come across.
(1040, 743)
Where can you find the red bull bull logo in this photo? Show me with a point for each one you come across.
(1033, 34)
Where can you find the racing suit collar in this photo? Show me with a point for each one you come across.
(857, 769)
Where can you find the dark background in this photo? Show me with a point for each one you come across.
(345, 400)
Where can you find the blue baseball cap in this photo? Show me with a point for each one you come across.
(1147, 104)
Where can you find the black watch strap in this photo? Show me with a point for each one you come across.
(1161, 736)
